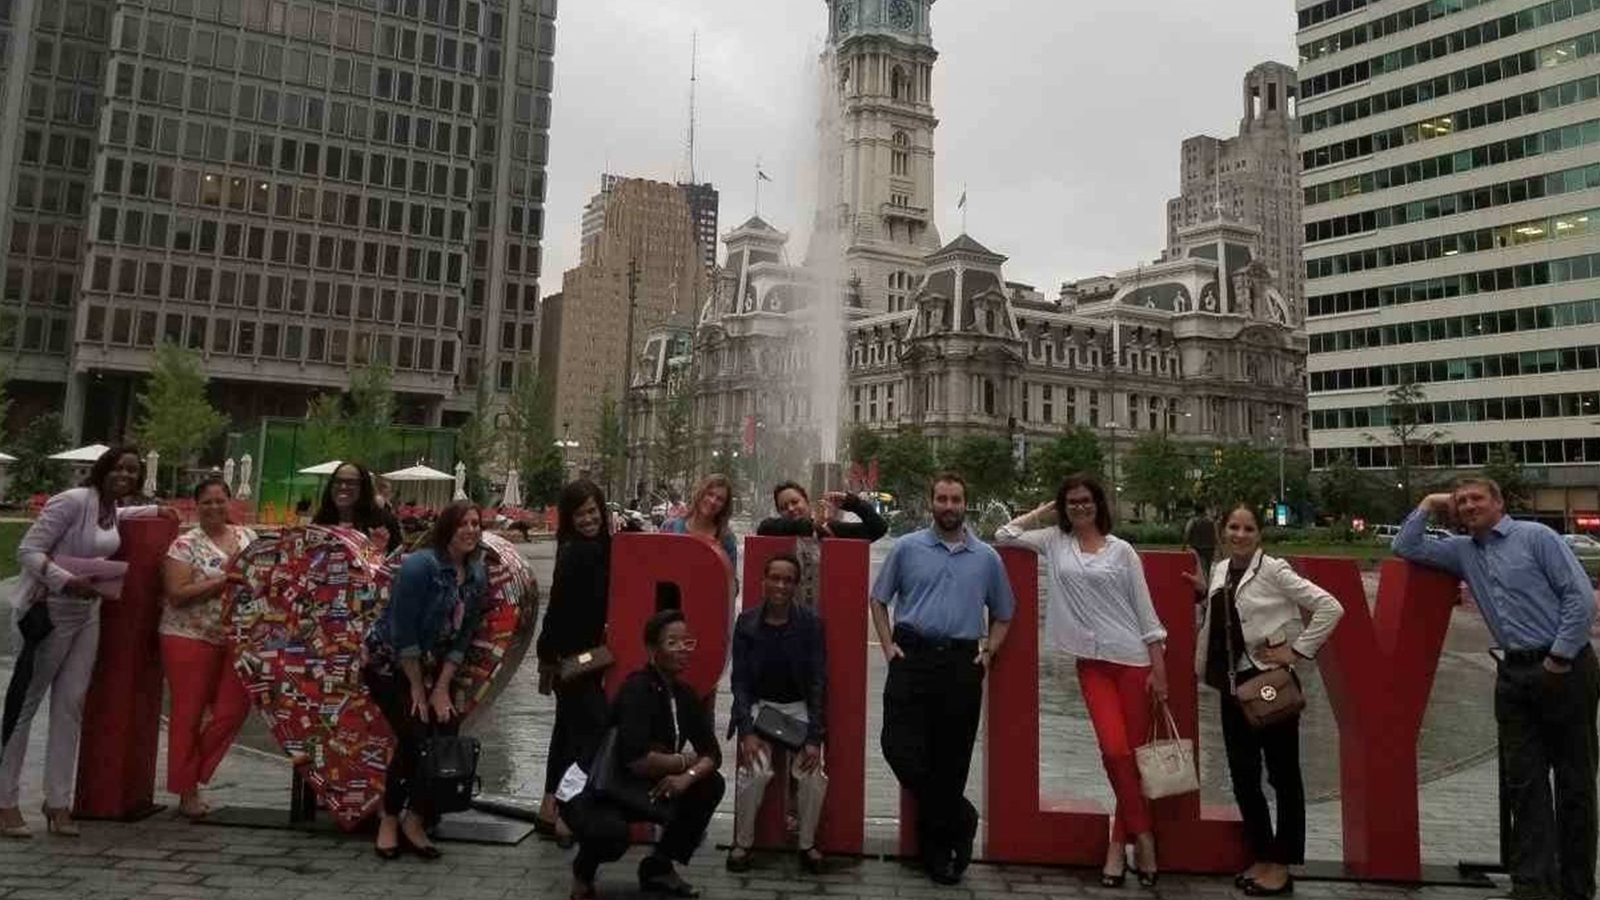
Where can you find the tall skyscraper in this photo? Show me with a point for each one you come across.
(1258, 172)
(293, 190)
(649, 231)
(703, 208)
(878, 189)
(1452, 229)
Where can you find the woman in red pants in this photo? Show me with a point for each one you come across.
(1100, 612)
(194, 649)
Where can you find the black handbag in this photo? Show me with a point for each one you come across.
(780, 728)
(610, 780)
(447, 773)
(35, 624)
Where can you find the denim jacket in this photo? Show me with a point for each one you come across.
(422, 619)
(804, 646)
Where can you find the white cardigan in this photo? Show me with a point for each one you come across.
(65, 527)
(1269, 598)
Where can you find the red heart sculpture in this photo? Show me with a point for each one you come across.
(297, 617)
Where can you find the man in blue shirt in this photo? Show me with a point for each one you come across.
(1540, 608)
(940, 581)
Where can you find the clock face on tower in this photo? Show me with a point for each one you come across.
(846, 16)
(901, 15)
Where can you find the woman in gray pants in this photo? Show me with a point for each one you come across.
(57, 625)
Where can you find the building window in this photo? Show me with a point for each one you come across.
(1049, 412)
(988, 397)
(900, 156)
(1094, 409)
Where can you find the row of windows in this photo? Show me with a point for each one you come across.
(1462, 368)
(275, 293)
(36, 333)
(74, 153)
(268, 340)
(282, 246)
(870, 393)
(1452, 328)
(196, 187)
(42, 285)
(50, 194)
(73, 17)
(1484, 281)
(1461, 455)
(46, 240)
(1382, 27)
(61, 103)
(1488, 32)
(1497, 153)
(1425, 91)
(269, 107)
(76, 61)
(1580, 90)
(1481, 240)
(1451, 412)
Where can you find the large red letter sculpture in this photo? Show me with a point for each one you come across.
(842, 601)
(122, 714)
(641, 561)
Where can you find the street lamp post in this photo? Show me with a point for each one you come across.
(1278, 437)
(565, 443)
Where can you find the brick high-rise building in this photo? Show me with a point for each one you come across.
(1259, 177)
(292, 189)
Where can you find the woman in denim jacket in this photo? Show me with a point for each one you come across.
(412, 655)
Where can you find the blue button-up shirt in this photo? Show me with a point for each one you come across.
(1531, 589)
(941, 592)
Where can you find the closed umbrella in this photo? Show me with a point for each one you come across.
(513, 496)
(152, 461)
(227, 473)
(461, 481)
(244, 477)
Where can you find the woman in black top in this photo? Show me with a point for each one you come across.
(657, 717)
(575, 622)
(350, 500)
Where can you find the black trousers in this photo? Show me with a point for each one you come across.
(601, 828)
(580, 724)
(392, 693)
(932, 701)
(1547, 732)
(1278, 745)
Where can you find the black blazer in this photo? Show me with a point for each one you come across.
(870, 528)
(575, 620)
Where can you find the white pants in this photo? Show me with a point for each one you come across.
(750, 786)
(63, 665)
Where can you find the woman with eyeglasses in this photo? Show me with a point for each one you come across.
(1101, 614)
(664, 739)
(350, 500)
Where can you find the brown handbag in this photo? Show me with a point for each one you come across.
(1268, 698)
(578, 665)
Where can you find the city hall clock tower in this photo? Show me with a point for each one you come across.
(877, 147)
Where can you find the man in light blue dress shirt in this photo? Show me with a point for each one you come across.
(1539, 605)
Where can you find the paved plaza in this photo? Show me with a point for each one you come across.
(167, 856)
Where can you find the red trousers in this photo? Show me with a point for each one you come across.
(1119, 707)
(199, 677)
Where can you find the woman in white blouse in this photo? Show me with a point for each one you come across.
(194, 648)
(77, 523)
(1100, 612)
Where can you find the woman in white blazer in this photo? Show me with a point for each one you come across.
(80, 522)
(1259, 598)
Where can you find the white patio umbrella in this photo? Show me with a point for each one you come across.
(152, 462)
(7, 458)
(418, 473)
(327, 468)
(227, 473)
(513, 496)
(82, 454)
(461, 481)
(244, 477)
(426, 481)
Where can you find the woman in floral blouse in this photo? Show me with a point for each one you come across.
(194, 647)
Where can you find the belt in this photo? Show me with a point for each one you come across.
(907, 638)
(1537, 655)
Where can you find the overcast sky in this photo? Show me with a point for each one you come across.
(1062, 117)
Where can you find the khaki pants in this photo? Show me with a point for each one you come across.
(750, 786)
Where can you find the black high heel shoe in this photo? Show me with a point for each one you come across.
(426, 851)
(1147, 879)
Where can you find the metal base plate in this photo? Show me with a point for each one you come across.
(476, 830)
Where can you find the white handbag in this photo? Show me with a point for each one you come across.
(1166, 764)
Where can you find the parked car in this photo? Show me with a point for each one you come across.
(1384, 534)
(1582, 544)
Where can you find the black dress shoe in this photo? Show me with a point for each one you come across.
(1240, 880)
(1254, 889)
(944, 872)
(814, 865)
(738, 860)
(669, 884)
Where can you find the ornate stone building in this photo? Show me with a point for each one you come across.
(1201, 344)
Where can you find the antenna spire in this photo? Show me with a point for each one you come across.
(694, 83)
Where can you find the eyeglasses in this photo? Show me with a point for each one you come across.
(1080, 504)
(347, 482)
(685, 644)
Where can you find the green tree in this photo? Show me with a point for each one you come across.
(529, 433)
(369, 416)
(1343, 489)
(866, 445)
(905, 466)
(610, 450)
(175, 418)
(1154, 473)
(987, 465)
(1408, 416)
(324, 436)
(1077, 451)
(1241, 473)
(1505, 468)
(475, 444)
(543, 478)
(35, 472)
(671, 449)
